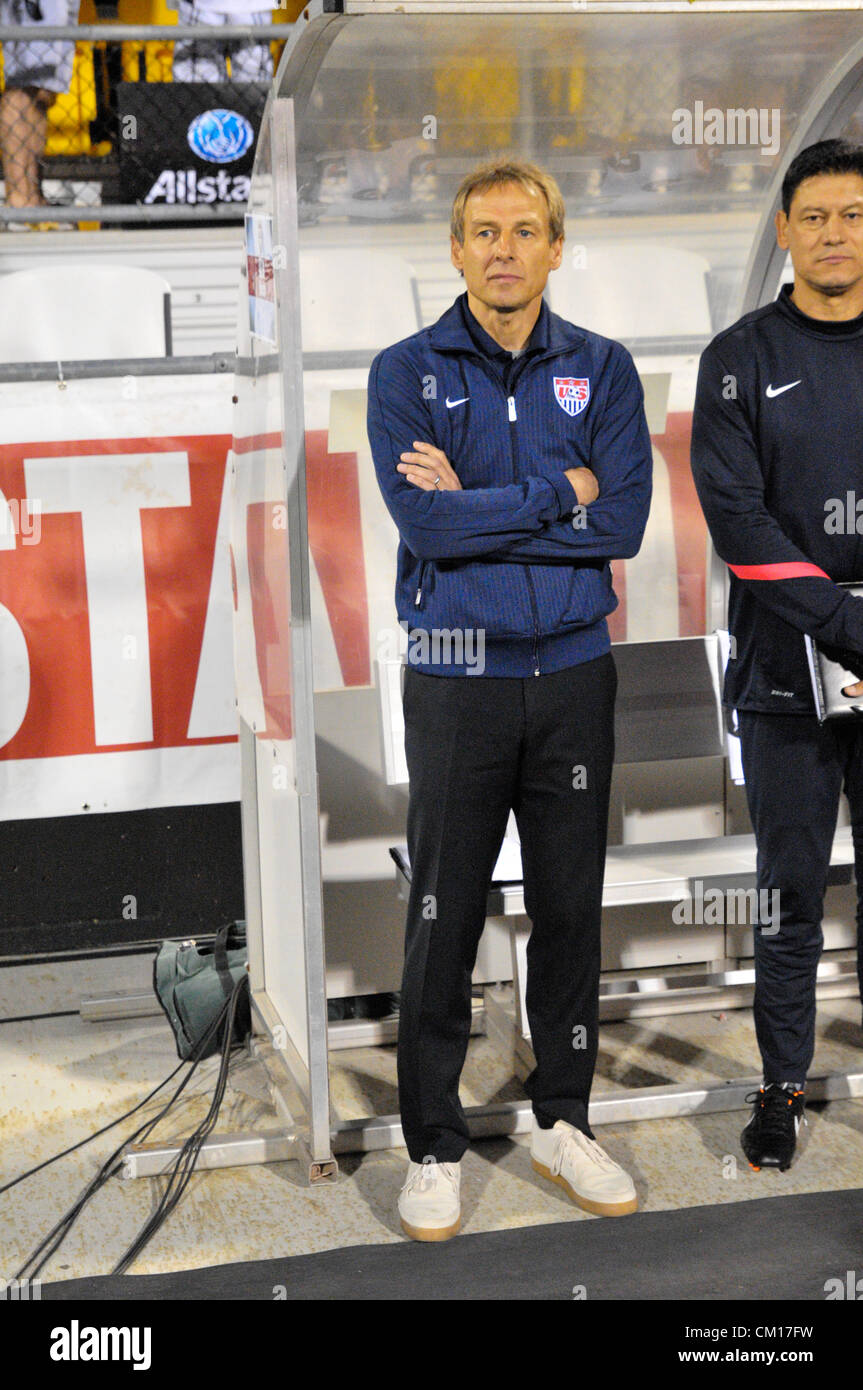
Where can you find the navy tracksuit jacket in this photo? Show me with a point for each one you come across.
(503, 555)
(776, 443)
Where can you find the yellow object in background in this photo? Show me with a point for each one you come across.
(482, 93)
(157, 54)
(70, 116)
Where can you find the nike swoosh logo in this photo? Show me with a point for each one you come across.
(450, 404)
(777, 390)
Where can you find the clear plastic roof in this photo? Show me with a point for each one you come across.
(665, 132)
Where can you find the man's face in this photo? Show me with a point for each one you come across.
(824, 232)
(506, 256)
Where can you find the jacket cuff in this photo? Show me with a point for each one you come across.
(566, 494)
(852, 623)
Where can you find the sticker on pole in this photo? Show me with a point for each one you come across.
(260, 272)
(572, 393)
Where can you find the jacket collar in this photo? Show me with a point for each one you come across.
(450, 333)
(826, 328)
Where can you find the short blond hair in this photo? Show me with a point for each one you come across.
(500, 171)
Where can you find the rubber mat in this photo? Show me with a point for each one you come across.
(769, 1248)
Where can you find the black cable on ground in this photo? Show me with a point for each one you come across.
(90, 1137)
(184, 1165)
(111, 1166)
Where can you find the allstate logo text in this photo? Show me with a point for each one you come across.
(220, 136)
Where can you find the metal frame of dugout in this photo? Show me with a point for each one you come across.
(281, 834)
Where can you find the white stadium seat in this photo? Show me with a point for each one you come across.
(633, 290)
(355, 300)
(79, 312)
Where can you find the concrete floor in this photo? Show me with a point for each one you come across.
(61, 1079)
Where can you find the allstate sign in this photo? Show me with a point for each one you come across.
(220, 136)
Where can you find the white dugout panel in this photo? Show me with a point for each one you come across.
(668, 127)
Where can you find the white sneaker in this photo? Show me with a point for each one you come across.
(593, 1180)
(429, 1202)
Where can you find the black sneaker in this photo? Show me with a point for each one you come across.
(770, 1138)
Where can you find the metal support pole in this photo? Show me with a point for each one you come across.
(122, 212)
(484, 1122)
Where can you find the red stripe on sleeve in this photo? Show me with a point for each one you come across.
(793, 569)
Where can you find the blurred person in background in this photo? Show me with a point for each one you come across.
(34, 73)
(206, 61)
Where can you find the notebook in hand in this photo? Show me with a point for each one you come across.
(831, 676)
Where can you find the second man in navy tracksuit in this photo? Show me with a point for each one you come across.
(776, 455)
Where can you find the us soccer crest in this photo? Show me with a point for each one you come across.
(572, 393)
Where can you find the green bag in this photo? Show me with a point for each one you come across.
(192, 983)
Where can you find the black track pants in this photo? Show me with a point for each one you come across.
(477, 746)
(795, 770)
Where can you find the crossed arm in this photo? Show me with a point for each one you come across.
(430, 469)
(530, 521)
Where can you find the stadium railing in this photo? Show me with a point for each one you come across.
(92, 151)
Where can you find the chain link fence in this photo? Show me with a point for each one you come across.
(121, 124)
(111, 123)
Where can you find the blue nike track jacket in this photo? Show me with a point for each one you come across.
(512, 555)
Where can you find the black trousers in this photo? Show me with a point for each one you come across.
(795, 770)
(476, 747)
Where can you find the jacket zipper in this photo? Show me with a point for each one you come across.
(418, 598)
(512, 415)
